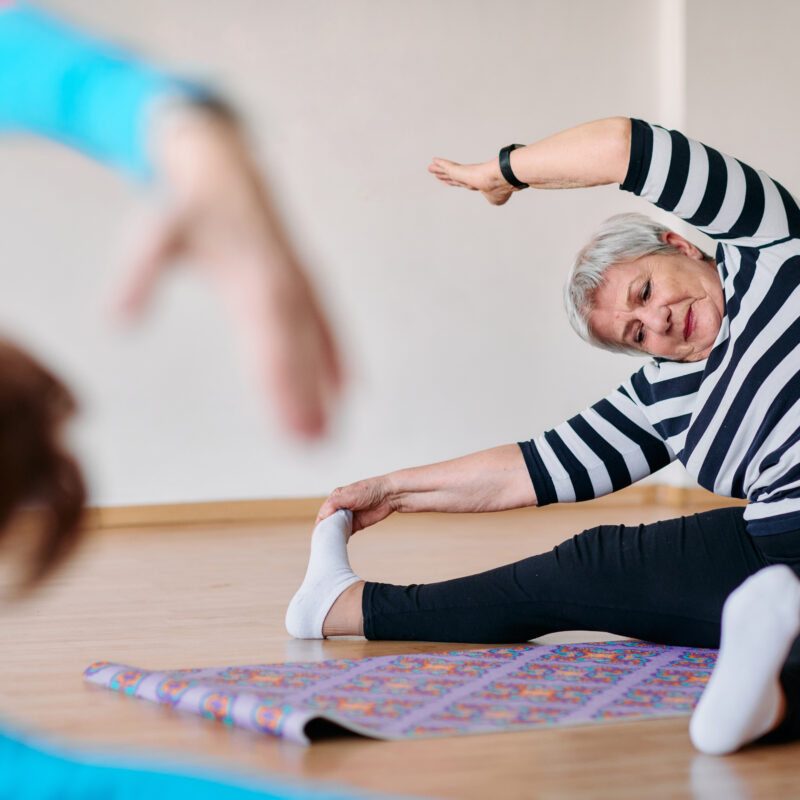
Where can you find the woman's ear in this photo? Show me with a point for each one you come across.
(684, 245)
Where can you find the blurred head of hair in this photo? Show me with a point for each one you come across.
(42, 492)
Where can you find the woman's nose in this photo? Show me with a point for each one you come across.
(658, 318)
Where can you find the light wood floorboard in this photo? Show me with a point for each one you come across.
(215, 594)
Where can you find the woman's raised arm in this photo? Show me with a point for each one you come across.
(489, 480)
(591, 154)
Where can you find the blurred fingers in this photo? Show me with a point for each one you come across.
(150, 248)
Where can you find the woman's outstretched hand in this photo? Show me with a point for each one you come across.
(217, 214)
(484, 178)
(369, 500)
(490, 480)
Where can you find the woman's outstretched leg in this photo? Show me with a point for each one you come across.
(664, 582)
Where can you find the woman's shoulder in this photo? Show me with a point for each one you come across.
(661, 379)
(662, 369)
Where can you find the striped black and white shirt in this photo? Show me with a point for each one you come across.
(732, 419)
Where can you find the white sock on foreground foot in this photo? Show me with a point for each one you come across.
(760, 621)
(327, 576)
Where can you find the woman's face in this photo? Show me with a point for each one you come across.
(668, 305)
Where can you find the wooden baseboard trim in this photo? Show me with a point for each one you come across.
(662, 494)
(305, 508)
(296, 508)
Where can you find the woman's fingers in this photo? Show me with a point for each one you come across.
(465, 175)
(363, 519)
(325, 510)
(438, 168)
(368, 500)
(342, 497)
(447, 172)
(483, 178)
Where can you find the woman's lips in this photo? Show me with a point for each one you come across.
(688, 324)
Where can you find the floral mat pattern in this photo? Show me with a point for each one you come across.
(435, 694)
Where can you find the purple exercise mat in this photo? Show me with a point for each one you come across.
(435, 694)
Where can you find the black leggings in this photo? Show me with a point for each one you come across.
(664, 583)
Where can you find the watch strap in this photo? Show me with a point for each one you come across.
(505, 166)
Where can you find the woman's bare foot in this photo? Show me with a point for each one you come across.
(345, 617)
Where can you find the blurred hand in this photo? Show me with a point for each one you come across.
(370, 501)
(484, 178)
(218, 215)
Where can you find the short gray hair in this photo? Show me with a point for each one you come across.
(620, 239)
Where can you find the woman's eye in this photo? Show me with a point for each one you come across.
(639, 336)
(646, 292)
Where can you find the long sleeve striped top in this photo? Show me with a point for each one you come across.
(733, 419)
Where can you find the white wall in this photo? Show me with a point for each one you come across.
(450, 310)
(742, 59)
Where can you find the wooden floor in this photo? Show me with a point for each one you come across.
(203, 596)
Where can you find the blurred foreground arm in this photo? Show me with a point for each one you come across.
(39, 771)
(213, 205)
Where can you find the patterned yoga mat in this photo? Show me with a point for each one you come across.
(435, 694)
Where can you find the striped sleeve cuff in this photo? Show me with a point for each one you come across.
(542, 483)
(641, 155)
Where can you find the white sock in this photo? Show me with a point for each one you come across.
(760, 621)
(327, 576)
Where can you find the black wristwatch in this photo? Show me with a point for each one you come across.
(505, 166)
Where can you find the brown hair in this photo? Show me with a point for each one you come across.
(35, 469)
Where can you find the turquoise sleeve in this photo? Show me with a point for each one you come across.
(31, 772)
(63, 84)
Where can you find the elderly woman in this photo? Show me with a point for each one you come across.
(720, 395)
